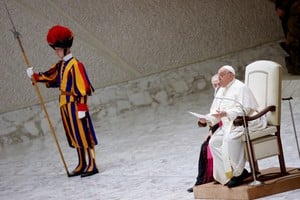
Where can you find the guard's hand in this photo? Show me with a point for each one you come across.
(29, 72)
(82, 108)
(81, 114)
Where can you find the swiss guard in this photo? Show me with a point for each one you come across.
(69, 75)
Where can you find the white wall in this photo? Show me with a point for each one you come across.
(122, 40)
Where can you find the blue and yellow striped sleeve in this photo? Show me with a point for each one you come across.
(50, 77)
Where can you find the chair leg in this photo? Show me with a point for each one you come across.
(280, 156)
(256, 168)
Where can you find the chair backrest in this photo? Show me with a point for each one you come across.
(263, 77)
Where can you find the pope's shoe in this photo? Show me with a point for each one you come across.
(90, 173)
(236, 181)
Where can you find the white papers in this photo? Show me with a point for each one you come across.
(207, 118)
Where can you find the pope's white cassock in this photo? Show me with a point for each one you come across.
(226, 144)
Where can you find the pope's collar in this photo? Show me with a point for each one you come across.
(230, 83)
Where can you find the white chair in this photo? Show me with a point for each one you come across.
(264, 79)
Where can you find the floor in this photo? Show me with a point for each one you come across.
(148, 153)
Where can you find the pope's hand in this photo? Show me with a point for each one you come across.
(202, 120)
(220, 114)
(29, 72)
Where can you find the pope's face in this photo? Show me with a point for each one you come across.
(225, 77)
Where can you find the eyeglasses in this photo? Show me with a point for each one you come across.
(222, 74)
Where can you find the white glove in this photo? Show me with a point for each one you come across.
(81, 114)
(29, 72)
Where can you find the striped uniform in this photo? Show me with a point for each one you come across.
(72, 80)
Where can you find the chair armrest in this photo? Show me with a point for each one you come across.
(239, 120)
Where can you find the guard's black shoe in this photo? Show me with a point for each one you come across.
(190, 190)
(89, 173)
(75, 173)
